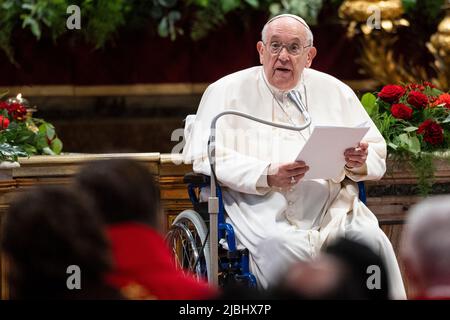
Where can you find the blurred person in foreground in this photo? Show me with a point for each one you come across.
(425, 248)
(46, 231)
(127, 199)
(341, 272)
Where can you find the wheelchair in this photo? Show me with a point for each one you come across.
(188, 238)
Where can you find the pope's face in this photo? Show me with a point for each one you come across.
(283, 69)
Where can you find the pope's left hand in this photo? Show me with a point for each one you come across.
(356, 157)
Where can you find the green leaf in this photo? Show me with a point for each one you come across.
(408, 4)
(33, 24)
(253, 3)
(163, 27)
(432, 92)
(404, 138)
(56, 146)
(435, 92)
(410, 129)
(368, 101)
(424, 168)
(229, 5)
(29, 149)
(28, 6)
(392, 145)
(430, 9)
(50, 131)
(8, 4)
(43, 129)
(274, 8)
(47, 129)
(414, 145)
(41, 142)
(174, 16)
(10, 153)
(446, 119)
(22, 138)
(202, 3)
(48, 151)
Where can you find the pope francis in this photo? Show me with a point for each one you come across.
(277, 215)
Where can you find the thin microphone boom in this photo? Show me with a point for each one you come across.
(213, 200)
(294, 96)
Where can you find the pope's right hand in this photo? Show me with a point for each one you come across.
(284, 175)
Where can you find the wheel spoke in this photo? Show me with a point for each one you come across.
(186, 247)
(187, 239)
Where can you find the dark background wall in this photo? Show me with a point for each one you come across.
(142, 57)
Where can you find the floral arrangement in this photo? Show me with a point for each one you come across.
(414, 119)
(21, 135)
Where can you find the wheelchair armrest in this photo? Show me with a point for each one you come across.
(196, 178)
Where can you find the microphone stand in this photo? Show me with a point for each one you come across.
(213, 200)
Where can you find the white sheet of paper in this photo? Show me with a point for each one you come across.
(324, 150)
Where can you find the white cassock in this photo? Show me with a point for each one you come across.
(281, 226)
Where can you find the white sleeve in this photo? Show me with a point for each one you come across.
(237, 171)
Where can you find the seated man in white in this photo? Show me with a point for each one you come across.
(277, 215)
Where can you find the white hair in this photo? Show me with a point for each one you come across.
(426, 239)
(309, 35)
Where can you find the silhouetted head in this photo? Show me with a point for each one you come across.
(425, 246)
(367, 269)
(47, 230)
(123, 191)
(338, 273)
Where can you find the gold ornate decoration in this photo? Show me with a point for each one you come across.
(377, 39)
(439, 46)
(379, 62)
(361, 10)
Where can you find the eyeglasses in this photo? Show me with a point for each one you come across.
(294, 49)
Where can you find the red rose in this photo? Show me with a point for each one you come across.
(391, 93)
(17, 111)
(4, 122)
(429, 84)
(401, 111)
(417, 99)
(3, 105)
(431, 131)
(443, 99)
(412, 86)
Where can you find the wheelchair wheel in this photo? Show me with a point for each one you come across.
(186, 238)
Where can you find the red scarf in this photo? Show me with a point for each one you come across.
(144, 267)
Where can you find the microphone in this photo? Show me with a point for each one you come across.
(294, 96)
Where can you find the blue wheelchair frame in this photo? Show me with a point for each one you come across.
(238, 260)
